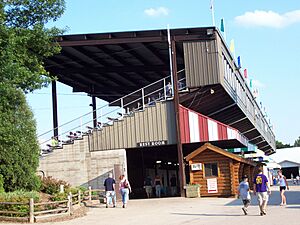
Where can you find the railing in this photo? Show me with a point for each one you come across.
(243, 96)
(38, 210)
(160, 90)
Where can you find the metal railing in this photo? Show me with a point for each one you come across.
(138, 100)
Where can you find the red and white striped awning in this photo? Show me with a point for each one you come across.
(195, 127)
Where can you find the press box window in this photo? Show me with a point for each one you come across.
(211, 169)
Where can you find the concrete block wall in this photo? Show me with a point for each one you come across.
(78, 166)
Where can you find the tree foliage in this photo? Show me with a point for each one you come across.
(297, 142)
(280, 145)
(24, 45)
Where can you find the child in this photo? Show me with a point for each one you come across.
(243, 191)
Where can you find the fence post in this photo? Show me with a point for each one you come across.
(69, 205)
(79, 197)
(90, 193)
(31, 210)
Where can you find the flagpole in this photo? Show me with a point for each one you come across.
(212, 12)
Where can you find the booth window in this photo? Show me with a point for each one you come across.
(211, 169)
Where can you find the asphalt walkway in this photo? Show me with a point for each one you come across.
(202, 211)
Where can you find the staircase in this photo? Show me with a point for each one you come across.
(146, 114)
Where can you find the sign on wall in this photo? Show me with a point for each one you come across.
(212, 185)
(196, 166)
(151, 143)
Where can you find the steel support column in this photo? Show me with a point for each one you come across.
(182, 180)
(94, 111)
(54, 109)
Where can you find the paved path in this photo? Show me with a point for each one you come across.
(202, 211)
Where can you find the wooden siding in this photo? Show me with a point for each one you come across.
(230, 173)
(155, 123)
(201, 63)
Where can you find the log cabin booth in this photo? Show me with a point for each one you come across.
(217, 171)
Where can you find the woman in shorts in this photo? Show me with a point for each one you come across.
(283, 185)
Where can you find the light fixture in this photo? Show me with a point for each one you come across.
(158, 161)
(212, 91)
(210, 32)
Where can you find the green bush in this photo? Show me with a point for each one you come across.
(51, 186)
(1, 184)
(18, 196)
(59, 197)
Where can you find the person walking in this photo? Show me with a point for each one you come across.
(261, 187)
(148, 186)
(243, 192)
(157, 183)
(125, 189)
(110, 194)
(283, 186)
(173, 182)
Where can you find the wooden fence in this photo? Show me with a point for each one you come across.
(41, 210)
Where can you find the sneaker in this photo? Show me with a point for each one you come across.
(114, 206)
(245, 211)
(106, 206)
(123, 206)
(261, 213)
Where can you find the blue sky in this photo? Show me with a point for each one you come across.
(266, 35)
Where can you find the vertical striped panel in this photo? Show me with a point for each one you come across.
(231, 133)
(184, 125)
(203, 126)
(201, 63)
(212, 130)
(222, 131)
(194, 127)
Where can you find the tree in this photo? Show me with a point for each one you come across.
(279, 145)
(24, 45)
(297, 142)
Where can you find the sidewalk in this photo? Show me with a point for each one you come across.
(203, 211)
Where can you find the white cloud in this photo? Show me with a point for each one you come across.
(268, 19)
(156, 12)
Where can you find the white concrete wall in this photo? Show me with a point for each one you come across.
(77, 166)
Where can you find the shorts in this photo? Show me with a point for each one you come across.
(262, 196)
(246, 201)
(282, 188)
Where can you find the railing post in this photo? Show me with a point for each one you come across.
(165, 89)
(79, 197)
(90, 193)
(31, 210)
(71, 202)
(143, 98)
(122, 105)
(69, 205)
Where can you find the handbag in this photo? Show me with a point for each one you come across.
(125, 184)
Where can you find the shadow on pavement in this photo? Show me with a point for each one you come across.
(293, 198)
(209, 214)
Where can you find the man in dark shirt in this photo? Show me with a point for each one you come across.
(110, 193)
(262, 188)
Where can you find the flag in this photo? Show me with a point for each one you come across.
(211, 5)
(232, 47)
(245, 74)
(250, 84)
(239, 61)
(222, 28)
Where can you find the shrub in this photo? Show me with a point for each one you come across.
(51, 186)
(1, 184)
(18, 196)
